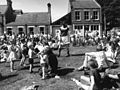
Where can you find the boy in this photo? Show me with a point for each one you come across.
(30, 55)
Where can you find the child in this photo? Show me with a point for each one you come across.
(30, 55)
(24, 50)
(12, 56)
(43, 64)
(4, 55)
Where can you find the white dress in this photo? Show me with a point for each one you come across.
(12, 56)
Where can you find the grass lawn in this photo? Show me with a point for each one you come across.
(22, 77)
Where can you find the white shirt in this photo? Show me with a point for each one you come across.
(43, 59)
(99, 57)
(39, 47)
(30, 53)
(29, 43)
(21, 46)
(110, 55)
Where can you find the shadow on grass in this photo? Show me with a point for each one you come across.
(82, 54)
(9, 79)
(64, 71)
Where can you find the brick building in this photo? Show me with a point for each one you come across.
(15, 21)
(84, 15)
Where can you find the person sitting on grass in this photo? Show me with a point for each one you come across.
(104, 58)
(94, 79)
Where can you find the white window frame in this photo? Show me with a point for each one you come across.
(43, 27)
(20, 27)
(31, 27)
(88, 15)
(88, 27)
(7, 29)
(78, 26)
(96, 15)
(78, 15)
(95, 27)
(79, 29)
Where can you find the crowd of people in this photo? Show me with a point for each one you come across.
(97, 64)
(89, 38)
(20, 48)
(102, 66)
(23, 47)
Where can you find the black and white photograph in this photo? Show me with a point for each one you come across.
(59, 44)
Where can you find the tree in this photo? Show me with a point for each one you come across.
(111, 10)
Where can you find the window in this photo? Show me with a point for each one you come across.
(9, 31)
(86, 27)
(86, 15)
(42, 30)
(94, 27)
(78, 27)
(20, 30)
(31, 30)
(77, 15)
(95, 15)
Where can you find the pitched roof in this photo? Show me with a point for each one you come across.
(85, 4)
(66, 18)
(41, 18)
(3, 9)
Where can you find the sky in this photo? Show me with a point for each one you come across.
(59, 8)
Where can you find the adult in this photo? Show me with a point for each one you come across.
(64, 38)
(102, 57)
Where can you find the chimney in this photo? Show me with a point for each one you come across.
(9, 3)
(49, 10)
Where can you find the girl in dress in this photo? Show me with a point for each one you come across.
(43, 64)
(12, 56)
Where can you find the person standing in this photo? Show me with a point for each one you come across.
(31, 55)
(64, 38)
(12, 56)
